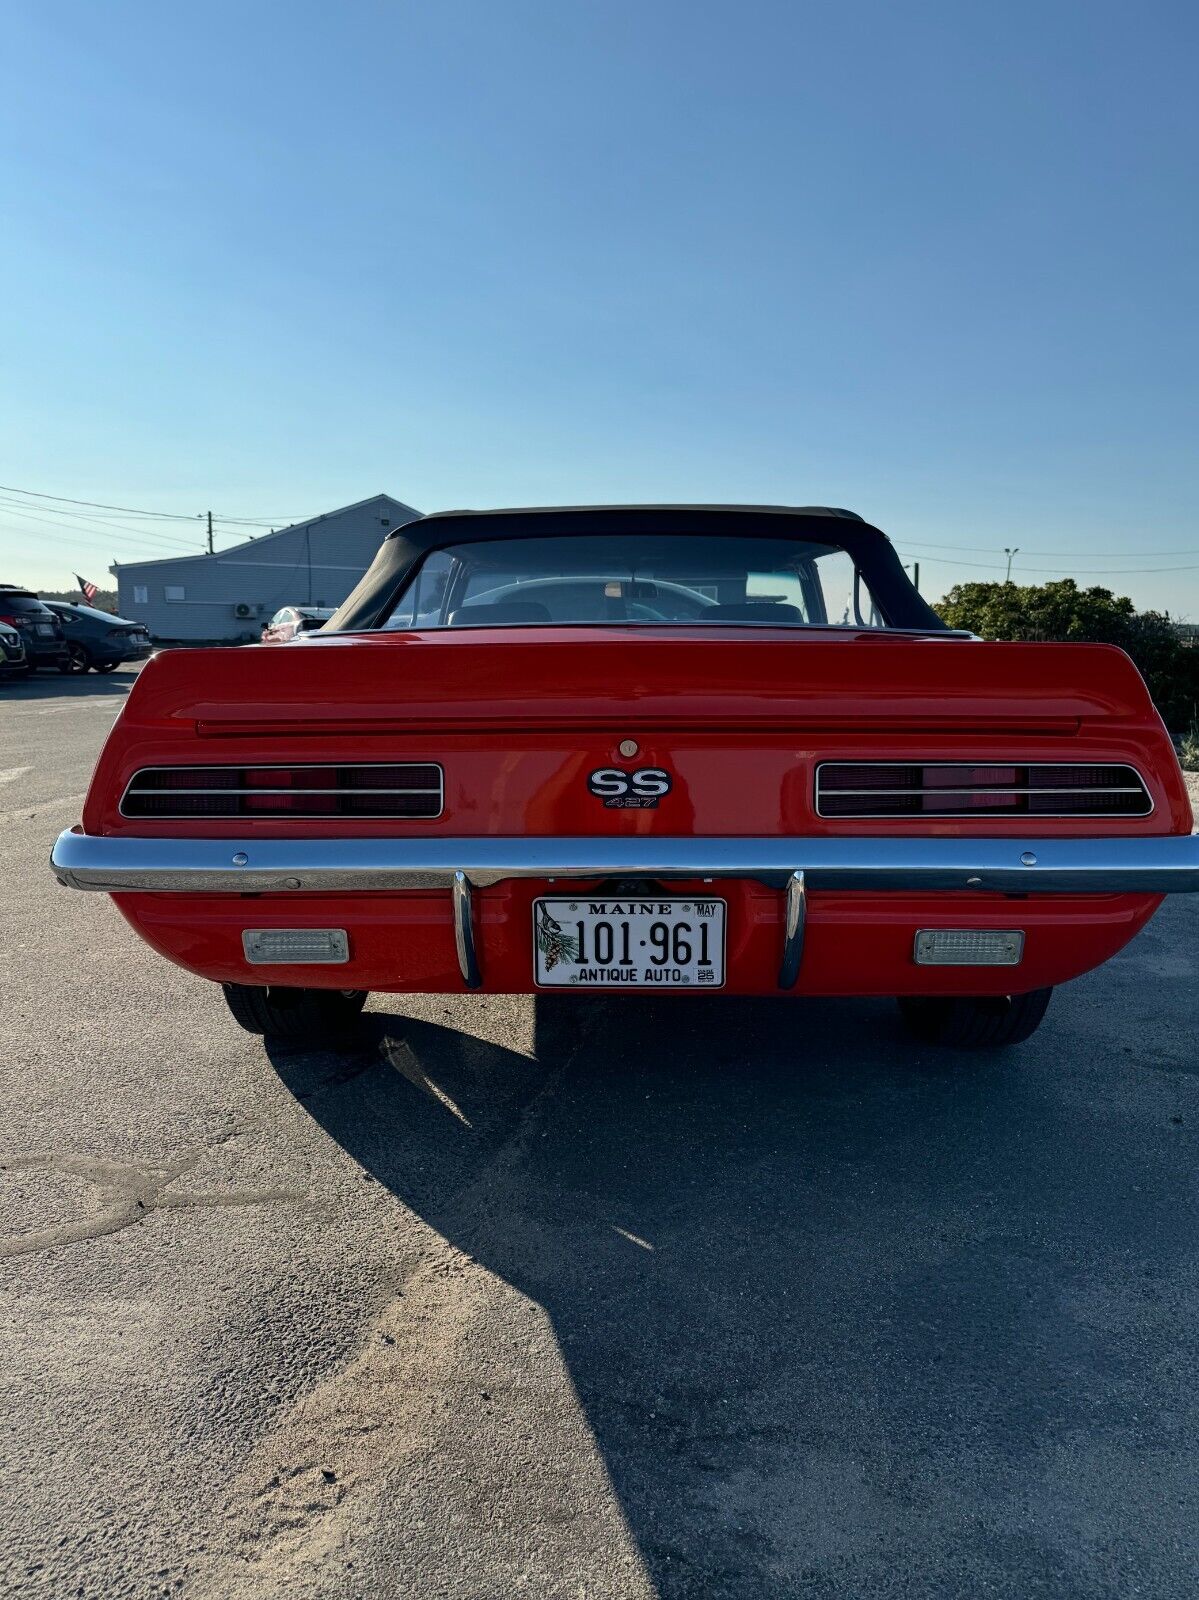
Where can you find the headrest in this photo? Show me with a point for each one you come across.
(752, 611)
(499, 611)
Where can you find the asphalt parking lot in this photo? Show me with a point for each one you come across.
(590, 1299)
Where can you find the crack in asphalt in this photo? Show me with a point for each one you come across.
(129, 1193)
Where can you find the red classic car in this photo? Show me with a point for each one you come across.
(670, 749)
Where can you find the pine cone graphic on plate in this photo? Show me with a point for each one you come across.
(555, 944)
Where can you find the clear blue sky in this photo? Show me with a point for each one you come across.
(936, 262)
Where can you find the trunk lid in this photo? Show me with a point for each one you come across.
(593, 677)
(521, 719)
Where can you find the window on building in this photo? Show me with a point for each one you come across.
(173, 591)
(141, 594)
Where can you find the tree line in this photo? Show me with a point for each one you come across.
(1063, 611)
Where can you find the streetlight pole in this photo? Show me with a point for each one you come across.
(1014, 551)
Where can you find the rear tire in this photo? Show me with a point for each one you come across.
(297, 1015)
(974, 1022)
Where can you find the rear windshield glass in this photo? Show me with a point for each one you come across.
(630, 579)
(12, 603)
(91, 612)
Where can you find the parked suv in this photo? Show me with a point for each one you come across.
(97, 639)
(13, 663)
(45, 643)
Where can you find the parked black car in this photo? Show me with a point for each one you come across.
(97, 639)
(45, 642)
(13, 661)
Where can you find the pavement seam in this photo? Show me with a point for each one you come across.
(130, 1193)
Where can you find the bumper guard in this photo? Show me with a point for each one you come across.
(1157, 865)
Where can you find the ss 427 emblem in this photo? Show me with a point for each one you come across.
(629, 790)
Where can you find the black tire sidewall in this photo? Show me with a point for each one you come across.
(970, 1022)
(296, 1015)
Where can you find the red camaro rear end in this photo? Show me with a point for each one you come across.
(663, 749)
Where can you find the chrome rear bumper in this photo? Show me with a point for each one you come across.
(1157, 865)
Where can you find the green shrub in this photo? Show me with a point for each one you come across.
(1063, 611)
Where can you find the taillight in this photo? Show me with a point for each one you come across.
(407, 789)
(960, 789)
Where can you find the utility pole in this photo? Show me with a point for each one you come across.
(916, 575)
(1014, 551)
(210, 533)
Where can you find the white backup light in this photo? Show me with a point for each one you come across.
(295, 946)
(969, 947)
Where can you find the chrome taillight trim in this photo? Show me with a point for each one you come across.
(1140, 787)
(291, 789)
(438, 789)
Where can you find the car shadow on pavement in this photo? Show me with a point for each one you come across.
(845, 1315)
(62, 686)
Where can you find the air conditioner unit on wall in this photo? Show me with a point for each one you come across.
(244, 610)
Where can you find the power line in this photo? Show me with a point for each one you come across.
(99, 505)
(138, 535)
(44, 514)
(154, 552)
(1086, 572)
(138, 530)
(136, 511)
(978, 550)
(97, 540)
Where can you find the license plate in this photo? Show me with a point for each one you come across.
(628, 943)
(46, 629)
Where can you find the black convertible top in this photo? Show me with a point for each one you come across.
(405, 548)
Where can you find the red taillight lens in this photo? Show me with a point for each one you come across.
(959, 789)
(296, 791)
(409, 789)
(972, 788)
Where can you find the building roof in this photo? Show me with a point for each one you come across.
(259, 540)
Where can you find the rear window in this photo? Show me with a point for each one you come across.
(11, 604)
(94, 613)
(627, 579)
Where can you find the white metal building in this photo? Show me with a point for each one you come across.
(228, 596)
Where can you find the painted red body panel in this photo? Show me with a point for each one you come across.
(518, 718)
(855, 944)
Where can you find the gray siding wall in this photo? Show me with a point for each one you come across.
(315, 563)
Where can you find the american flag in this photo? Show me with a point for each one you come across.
(88, 590)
